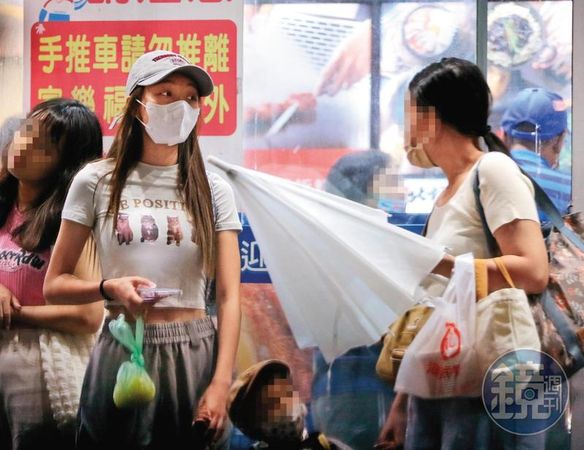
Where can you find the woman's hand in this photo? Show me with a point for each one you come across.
(124, 290)
(393, 433)
(8, 305)
(349, 64)
(445, 266)
(213, 408)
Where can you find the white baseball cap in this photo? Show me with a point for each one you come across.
(152, 67)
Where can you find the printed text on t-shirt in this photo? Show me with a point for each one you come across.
(174, 205)
(10, 260)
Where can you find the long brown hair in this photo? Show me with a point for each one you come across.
(75, 132)
(192, 184)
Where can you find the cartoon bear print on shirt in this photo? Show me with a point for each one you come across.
(123, 231)
(149, 229)
(173, 231)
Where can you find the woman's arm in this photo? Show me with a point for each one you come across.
(393, 432)
(523, 253)
(229, 318)
(62, 286)
(228, 302)
(66, 318)
(70, 318)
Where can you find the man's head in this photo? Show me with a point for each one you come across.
(537, 119)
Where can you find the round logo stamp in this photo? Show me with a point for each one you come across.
(525, 391)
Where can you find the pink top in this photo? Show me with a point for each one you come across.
(21, 271)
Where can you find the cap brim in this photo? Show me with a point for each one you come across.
(199, 76)
(531, 135)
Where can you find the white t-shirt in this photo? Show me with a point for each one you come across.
(506, 195)
(153, 234)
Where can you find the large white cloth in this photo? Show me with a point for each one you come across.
(341, 271)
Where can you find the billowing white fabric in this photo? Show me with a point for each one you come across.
(341, 271)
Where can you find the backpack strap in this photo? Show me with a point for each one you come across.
(564, 329)
(547, 206)
(491, 241)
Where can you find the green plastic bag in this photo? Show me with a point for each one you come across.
(134, 388)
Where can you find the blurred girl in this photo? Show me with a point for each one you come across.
(57, 138)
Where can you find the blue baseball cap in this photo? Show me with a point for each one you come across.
(543, 109)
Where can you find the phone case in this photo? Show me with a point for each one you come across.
(155, 294)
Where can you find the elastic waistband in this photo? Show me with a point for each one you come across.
(173, 332)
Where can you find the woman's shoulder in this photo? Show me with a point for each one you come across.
(498, 171)
(218, 183)
(94, 170)
(215, 178)
(496, 159)
(100, 165)
(497, 165)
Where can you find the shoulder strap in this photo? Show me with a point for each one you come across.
(564, 330)
(491, 242)
(503, 269)
(481, 278)
(425, 230)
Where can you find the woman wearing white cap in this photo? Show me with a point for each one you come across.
(158, 219)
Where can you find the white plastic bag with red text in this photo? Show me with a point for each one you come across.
(442, 361)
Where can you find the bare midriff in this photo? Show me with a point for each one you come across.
(160, 315)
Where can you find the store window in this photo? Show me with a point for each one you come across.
(324, 82)
(324, 87)
(529, 54)
(300, 122)
(11, 49)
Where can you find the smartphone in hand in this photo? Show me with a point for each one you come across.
(152, 295)
(200, 434)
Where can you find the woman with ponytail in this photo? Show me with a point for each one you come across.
(159, 220)
(447, 110)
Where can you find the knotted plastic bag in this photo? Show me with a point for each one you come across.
(134, 388)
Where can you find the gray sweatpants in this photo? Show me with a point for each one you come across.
(26, 420)
(180, 359)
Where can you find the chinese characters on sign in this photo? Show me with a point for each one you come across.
(90, 61)
(253, 267)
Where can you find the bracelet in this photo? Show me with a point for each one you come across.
(102, 291)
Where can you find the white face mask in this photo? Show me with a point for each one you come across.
(170, 124)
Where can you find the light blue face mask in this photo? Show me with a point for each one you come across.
(170, 124)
